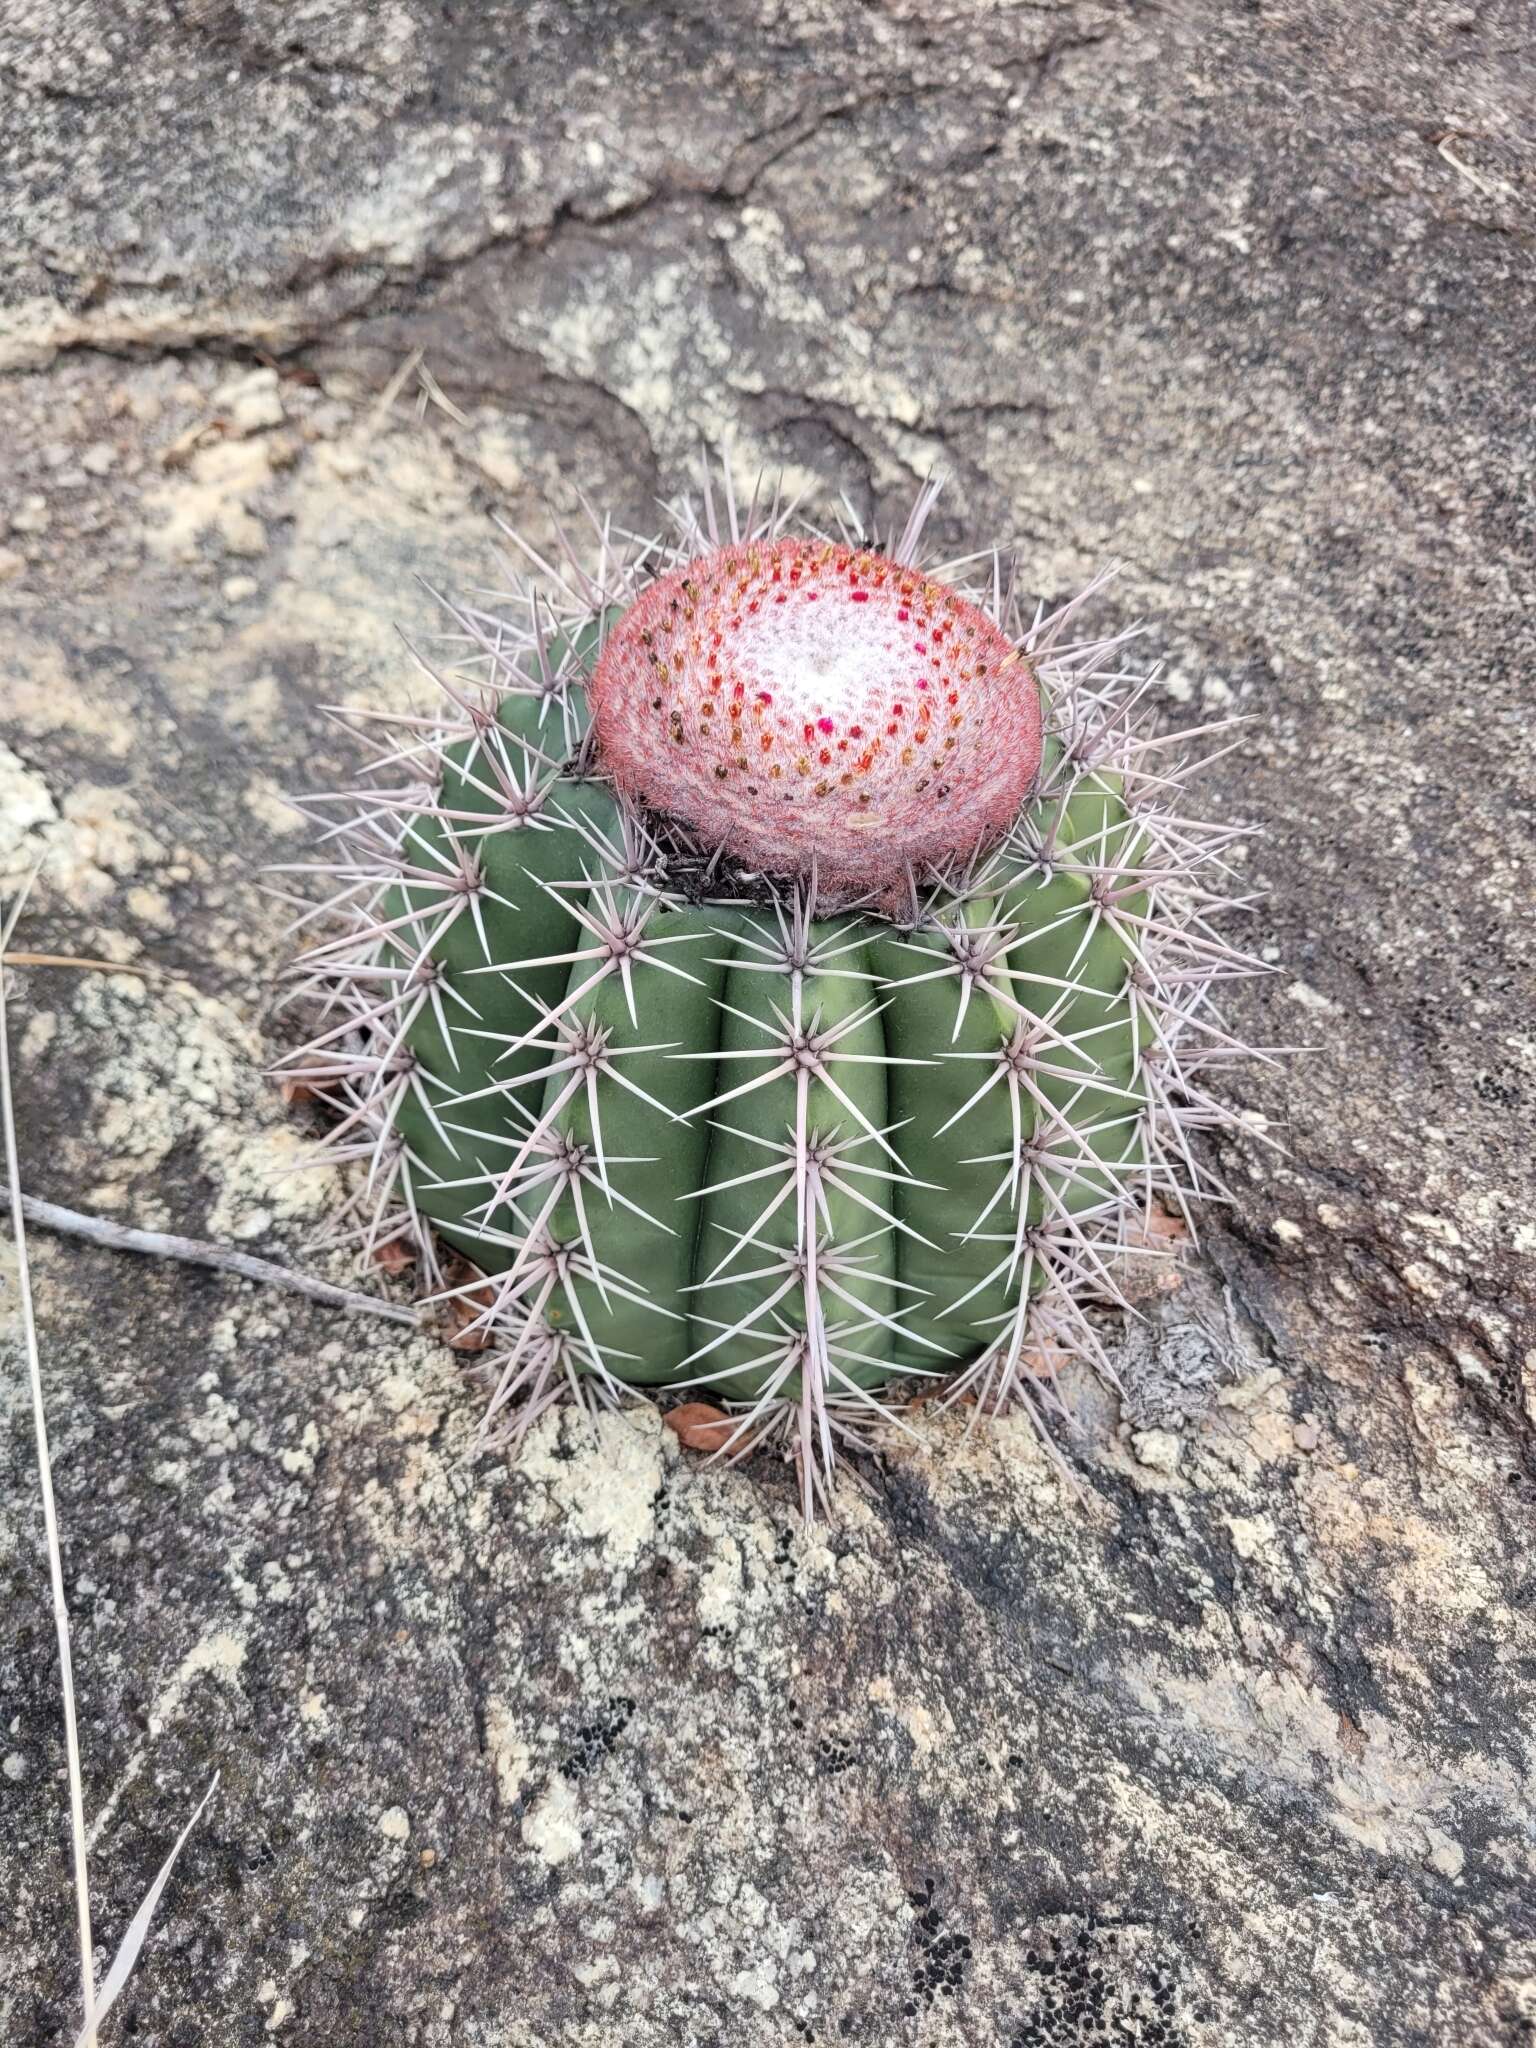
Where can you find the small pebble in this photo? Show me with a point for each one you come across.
(11, 565)
(238, 588)
(1161, 1449)
(395, 1824)
(32, 516)
(250, 403)
(99, 458)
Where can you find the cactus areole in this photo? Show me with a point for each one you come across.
(779, 970)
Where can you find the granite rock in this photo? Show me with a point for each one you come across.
(597, 1746)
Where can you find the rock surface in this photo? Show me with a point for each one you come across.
(599, 1748)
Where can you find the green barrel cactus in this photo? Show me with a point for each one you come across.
(778, 971)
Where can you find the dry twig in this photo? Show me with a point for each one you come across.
(50, 1520)
(193, 1251)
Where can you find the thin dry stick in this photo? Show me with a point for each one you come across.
(435, 394)
(50, 1520)
(138, 1928)
(384, 403)
(1491, 188)
(193, 1251)
(96, 966)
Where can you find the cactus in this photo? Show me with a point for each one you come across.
(777, 970)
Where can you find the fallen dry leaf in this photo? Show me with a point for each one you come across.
(1164, 1227)
(465, 1309)
(1160, 1230)
(700, 1426)
(462, 1338)
(924, 1395)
